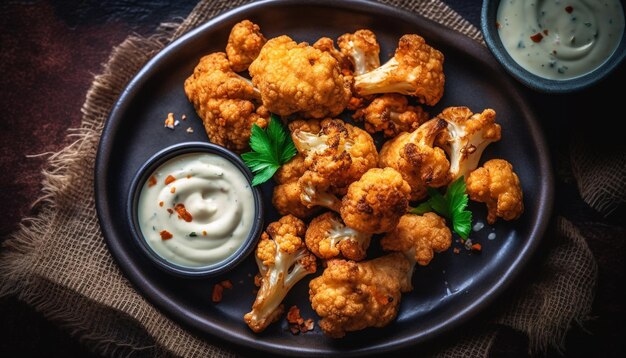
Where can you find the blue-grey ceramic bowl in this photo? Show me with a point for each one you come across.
(182, 271)
(541, 84)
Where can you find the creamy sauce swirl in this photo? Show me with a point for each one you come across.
(196, 209)
(558, 39)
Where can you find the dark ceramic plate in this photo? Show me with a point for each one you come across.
(453, 288)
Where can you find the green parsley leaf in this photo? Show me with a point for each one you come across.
(271, 148)
(452, 205)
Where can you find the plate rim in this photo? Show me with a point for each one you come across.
(169, 308)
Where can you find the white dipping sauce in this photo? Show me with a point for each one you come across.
(201, 217)
(560, 39)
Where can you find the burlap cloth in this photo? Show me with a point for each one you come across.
(58, 261)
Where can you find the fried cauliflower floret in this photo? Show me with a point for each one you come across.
(244, 44)
(316, 190)
(225, 101)
(466, 137)
(497, 185)
(290, 171)
(375, 203)
(326, 44)
(362, 49)
(286, 200)
(297, 78)
(283, 260)
(286, 196)
(413, 155)
(415, 70)
(419, 237)
(351, 296)
(327, 237)
(391, 114)
(337, 152)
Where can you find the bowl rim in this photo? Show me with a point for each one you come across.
(142, 175)
(494, 44)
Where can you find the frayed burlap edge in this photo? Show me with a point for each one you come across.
(20, 251)
(568, 282)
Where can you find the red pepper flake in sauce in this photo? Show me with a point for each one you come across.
(170, 211)
(537, 37)
(183, 213)
(152, 181)
(545, 32)
(569, 9)
(189, 176)
(170, 179)
(203, 232)
(166, 235)
(173, 190)
(160, 203)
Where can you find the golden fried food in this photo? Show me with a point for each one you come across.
(362, 49)
(283, 260)
(337, 152)
(297, 78)
(413, 155)
(225, 101)
(286, 200)
(420, 236)
(351, 296)
(375, 203)
(391, 114)
(244, 44)
(497, 185)
(326, 44)
(328, 237)
(466, 137)
(415, 70)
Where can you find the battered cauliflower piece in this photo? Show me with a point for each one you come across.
(466, 137)
(328, 237)
(375, 203)
(415, 70)
(244, 44)
(419, 237)
(362, 49)
(225, 101)
(290, 171)
(497, 185)
(326, 44)
(350, 296)
(315, 190)
(337, 152)
(283, 260)
(391, 114)
(297, 78)
(286, 200)
(413, 155)
(286, 196)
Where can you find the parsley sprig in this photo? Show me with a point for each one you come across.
(452, 205)
(271, 148)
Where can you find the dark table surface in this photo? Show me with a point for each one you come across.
(50, 51)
